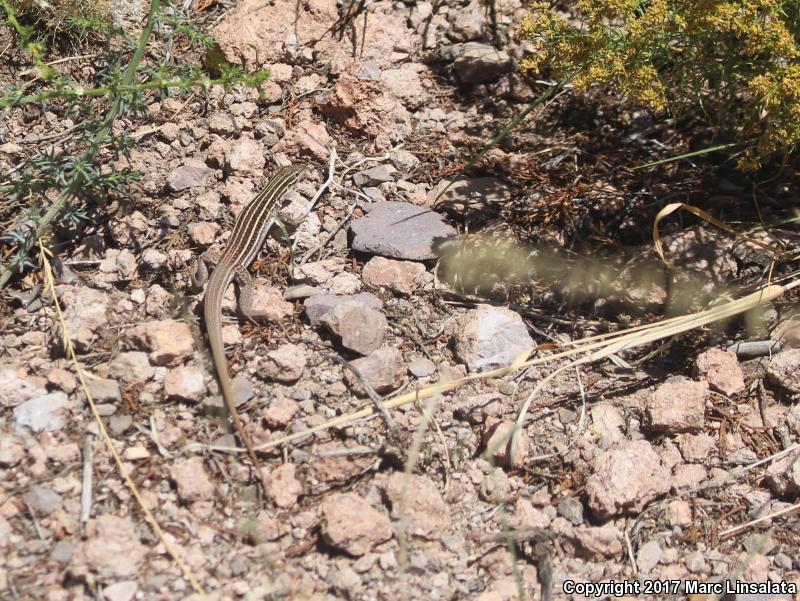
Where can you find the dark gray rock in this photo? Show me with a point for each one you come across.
(755, 348)
(191, 174)
(317, 306)
(571, 509)
(62, 551)
(42, 501)
(374, 176)
(481, 63)
(400, 230)
(104, 390)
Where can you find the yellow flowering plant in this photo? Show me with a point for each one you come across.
(738, 61)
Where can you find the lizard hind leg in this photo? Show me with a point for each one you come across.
(246, 308)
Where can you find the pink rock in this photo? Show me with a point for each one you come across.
(357, 107)
(344, 283)
(339, 468)
(239, 191)
(360, 328)
(406, 84)
(131, 367)
(317, 306)
(104, 390)
(783, 371)
(11, 450)
(15, 389)
(112, 549)
(121, 591)
(528, 516)
(269, 528)
(625, 478)
(609, 424)
(352, 525)
(203, 232)
(312, 138)
(318, 273)
(756, 568)
(192, 480)
(679, 513)
(267, 303)
(280, 412)
(283, 486)
(600, 542)
(85, 314)
(491, 337)
(136, 453)
(62, 379)
(497, 439)
(128, 229)
(688, 476)
(401, 276)
(192, 174)
(224, 124)
(168, 342)
(246, 157)
(677, 405)
(721, 370)
(256, 32)
(383, 369)
(284, 364)
(783, 475)
(185, 383)
(696, 447)
(648, 556)
(417, 504)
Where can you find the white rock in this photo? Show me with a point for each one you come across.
(491, 337)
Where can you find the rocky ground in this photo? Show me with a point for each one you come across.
(637, 469)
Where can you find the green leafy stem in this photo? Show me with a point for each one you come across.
(78, 174)
(232, 75)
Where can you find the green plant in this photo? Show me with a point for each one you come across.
(736, 61)
(75, 20)
(67, 191)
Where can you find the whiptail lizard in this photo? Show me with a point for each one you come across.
(249, 233)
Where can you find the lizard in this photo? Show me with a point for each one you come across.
(249, 232)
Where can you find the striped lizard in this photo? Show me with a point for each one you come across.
(249, 232)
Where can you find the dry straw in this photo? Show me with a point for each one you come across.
(49, 286)
(589, 350)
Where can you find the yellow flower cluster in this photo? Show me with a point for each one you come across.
(738, 59)
(757, 24)
(777, 93)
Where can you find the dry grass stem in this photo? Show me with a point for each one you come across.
(602, 346)
(69, 348)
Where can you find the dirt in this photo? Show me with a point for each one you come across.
(627, 470)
